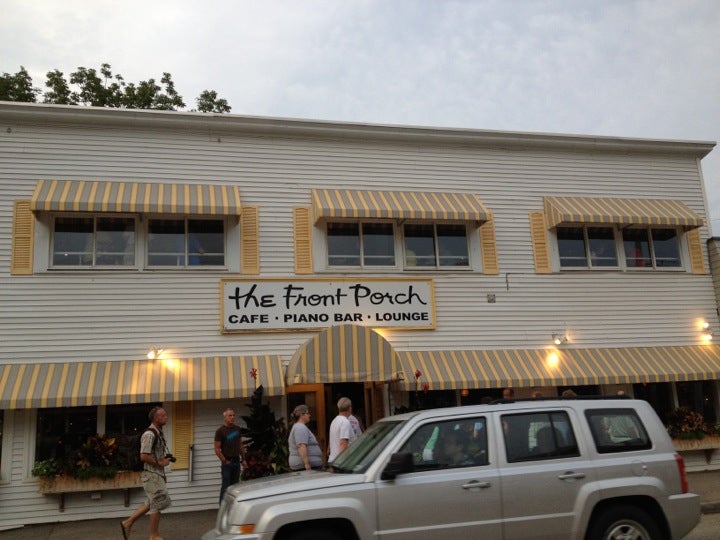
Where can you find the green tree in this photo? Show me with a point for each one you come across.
(209, 102)
(18, 87)
(90, 87)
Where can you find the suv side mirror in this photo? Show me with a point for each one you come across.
(400, 463)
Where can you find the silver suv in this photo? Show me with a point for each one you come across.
(580, 469)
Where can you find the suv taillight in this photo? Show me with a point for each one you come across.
(681, 470)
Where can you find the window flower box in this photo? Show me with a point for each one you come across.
(62, 484)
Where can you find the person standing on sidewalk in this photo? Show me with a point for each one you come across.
(155, 457)
(230, 450)
(341, 432)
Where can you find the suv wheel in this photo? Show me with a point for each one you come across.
(315, 534)
(624, 523)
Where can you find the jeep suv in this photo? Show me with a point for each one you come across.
(576, 469)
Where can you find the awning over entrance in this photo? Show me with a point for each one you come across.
(569, 210)
(448, 370)
(346, 353)
(345, 203)
(132, 197)
(75, 384)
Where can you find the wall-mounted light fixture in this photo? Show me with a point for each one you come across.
(707, 332)
(154, 353)
(559, 339)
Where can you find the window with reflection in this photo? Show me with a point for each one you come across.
(651, 248)
(361, 244)
(93, 241)
(186, 242)
(435, 245)
(587, 247)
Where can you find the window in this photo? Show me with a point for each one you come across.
(361, 244)
(435, 245)
(451, 444)
(537, 436)
(62, 431)
(651, 248)
(587, 247)
(186, 242)
(93, 241)
(617, 430)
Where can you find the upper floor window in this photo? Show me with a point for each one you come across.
(596, 247)
(423, 245)
(94, 241)
(587, 247)
(435, 245)
(117, 242)
(651, 248)
(186, 242)
(361, 244)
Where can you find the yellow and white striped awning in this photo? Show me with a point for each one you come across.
(455, 370)
(345, 353)
(345, 203)
(134, 197)
(76, 384)
(663, 212)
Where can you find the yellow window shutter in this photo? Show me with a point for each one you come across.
(303, 240)
(249, 241)
(22, 239)
(697, 263)
(488, 247)
(538, 233)
(182, 433)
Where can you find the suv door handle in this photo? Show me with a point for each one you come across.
(569, 475)
(476, 484)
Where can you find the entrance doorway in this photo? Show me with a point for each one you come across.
(312, 395)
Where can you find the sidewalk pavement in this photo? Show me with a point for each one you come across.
(192, 525)
(180, 526)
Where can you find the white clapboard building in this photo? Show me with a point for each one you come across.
(400, 266)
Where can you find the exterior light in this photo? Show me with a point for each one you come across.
(559, 339)
(154, 353)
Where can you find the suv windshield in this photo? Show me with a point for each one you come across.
(363, 451)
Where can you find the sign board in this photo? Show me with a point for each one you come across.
(301, 304)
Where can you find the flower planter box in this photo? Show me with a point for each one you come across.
(708, 444)
(60, 485)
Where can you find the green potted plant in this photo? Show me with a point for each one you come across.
(93, 467)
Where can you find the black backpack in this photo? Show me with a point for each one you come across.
(130, 457)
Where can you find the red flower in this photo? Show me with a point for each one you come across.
(418, 374)
(426, 387)
(253, 373)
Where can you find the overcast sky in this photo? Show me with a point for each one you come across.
(630, 68)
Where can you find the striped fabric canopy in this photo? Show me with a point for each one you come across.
(343, 353)
(665, 212)
(75, 384)
(345, 203)
(455, 370)
(133, 197)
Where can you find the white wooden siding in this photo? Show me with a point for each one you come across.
(111, 315)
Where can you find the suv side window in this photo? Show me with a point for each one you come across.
(453, 444)
(538, 436)
(617, 430)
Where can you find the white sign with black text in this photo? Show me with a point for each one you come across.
(299, 304)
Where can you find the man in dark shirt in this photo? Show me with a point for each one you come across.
(230, 450)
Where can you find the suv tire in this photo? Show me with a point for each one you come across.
(621, 522)
(315, 534)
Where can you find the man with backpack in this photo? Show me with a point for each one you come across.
(155, 457)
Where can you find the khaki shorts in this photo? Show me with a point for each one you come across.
(156, 491)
